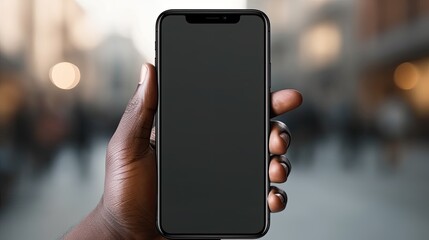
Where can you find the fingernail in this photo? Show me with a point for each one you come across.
(288, 164)
(286, 168)
(281, 197)
(143, 73)
(285, 137)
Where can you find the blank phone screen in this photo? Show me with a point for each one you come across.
(212, 122)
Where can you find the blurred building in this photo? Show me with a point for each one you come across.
(346, 56)
(394, 57)
(44, 106)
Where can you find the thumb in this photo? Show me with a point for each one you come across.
(134, 129)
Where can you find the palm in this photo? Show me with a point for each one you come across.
(130, 191)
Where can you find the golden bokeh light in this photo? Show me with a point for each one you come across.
(406, 76)
(65, 75)
(420, 93)
(321, 44)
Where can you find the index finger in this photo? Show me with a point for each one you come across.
(284, 101)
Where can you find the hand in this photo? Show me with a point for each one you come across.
(128, 206)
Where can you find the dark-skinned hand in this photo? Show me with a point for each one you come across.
(127, 209)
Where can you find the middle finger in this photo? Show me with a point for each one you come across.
(279, 138)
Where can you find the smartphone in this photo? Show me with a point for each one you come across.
(213, 70)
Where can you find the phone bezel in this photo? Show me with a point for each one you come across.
(267, 84)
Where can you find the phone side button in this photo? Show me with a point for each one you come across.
(269, 76)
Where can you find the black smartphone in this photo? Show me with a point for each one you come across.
(213, 69)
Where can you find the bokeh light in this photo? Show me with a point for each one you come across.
(406, 76)
(65, 75)
(321, 44)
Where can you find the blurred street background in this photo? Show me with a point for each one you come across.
(360, 148)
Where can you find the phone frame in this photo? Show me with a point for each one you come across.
(267, 84)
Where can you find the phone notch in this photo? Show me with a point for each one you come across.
(219, 18)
